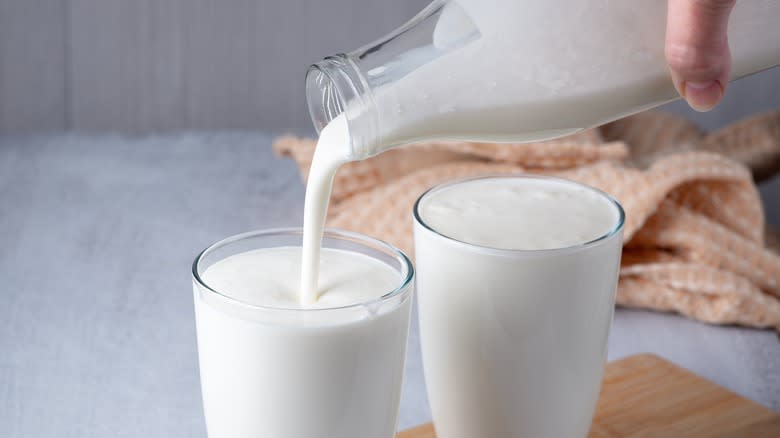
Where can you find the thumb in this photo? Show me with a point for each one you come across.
(697, 49)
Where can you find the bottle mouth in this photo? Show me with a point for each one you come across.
(325, 99)
(335, 86)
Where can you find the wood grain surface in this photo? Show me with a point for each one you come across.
(647, 396)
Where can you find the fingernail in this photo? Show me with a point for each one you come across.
(702, 96)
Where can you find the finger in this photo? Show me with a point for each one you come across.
(697, 49)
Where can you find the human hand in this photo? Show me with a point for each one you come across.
(697, 49)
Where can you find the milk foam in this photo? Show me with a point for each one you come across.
(270, 278)
(519, 213)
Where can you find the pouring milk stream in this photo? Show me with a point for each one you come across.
(504, 70)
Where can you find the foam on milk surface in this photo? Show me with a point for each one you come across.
(270, 278)
(519, 213)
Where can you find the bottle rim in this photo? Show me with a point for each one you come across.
(336, 86)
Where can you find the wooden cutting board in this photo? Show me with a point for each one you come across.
(646, 396)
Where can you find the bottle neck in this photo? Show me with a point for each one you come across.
(336, 87)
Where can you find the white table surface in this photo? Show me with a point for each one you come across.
(97, 235)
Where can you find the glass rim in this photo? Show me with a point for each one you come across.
(615, 230)
(344, 235)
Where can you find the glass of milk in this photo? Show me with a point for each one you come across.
(516, 282)
(271, 367)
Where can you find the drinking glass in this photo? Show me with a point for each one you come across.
(514, 341)
(301, 373)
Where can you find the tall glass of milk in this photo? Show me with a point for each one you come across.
(516, 281)
(516, 70)
(271, 367)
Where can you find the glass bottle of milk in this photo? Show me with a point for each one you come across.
(516, 70)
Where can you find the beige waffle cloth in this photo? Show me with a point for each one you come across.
(695, 238)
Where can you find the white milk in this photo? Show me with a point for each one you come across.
(333, 149)
(514, 339)
(513, 82)
(519, 213)
(539, 69)
(270, 372)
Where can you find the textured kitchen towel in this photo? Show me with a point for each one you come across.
(695, 241)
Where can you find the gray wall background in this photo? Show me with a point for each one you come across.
(159, 65)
